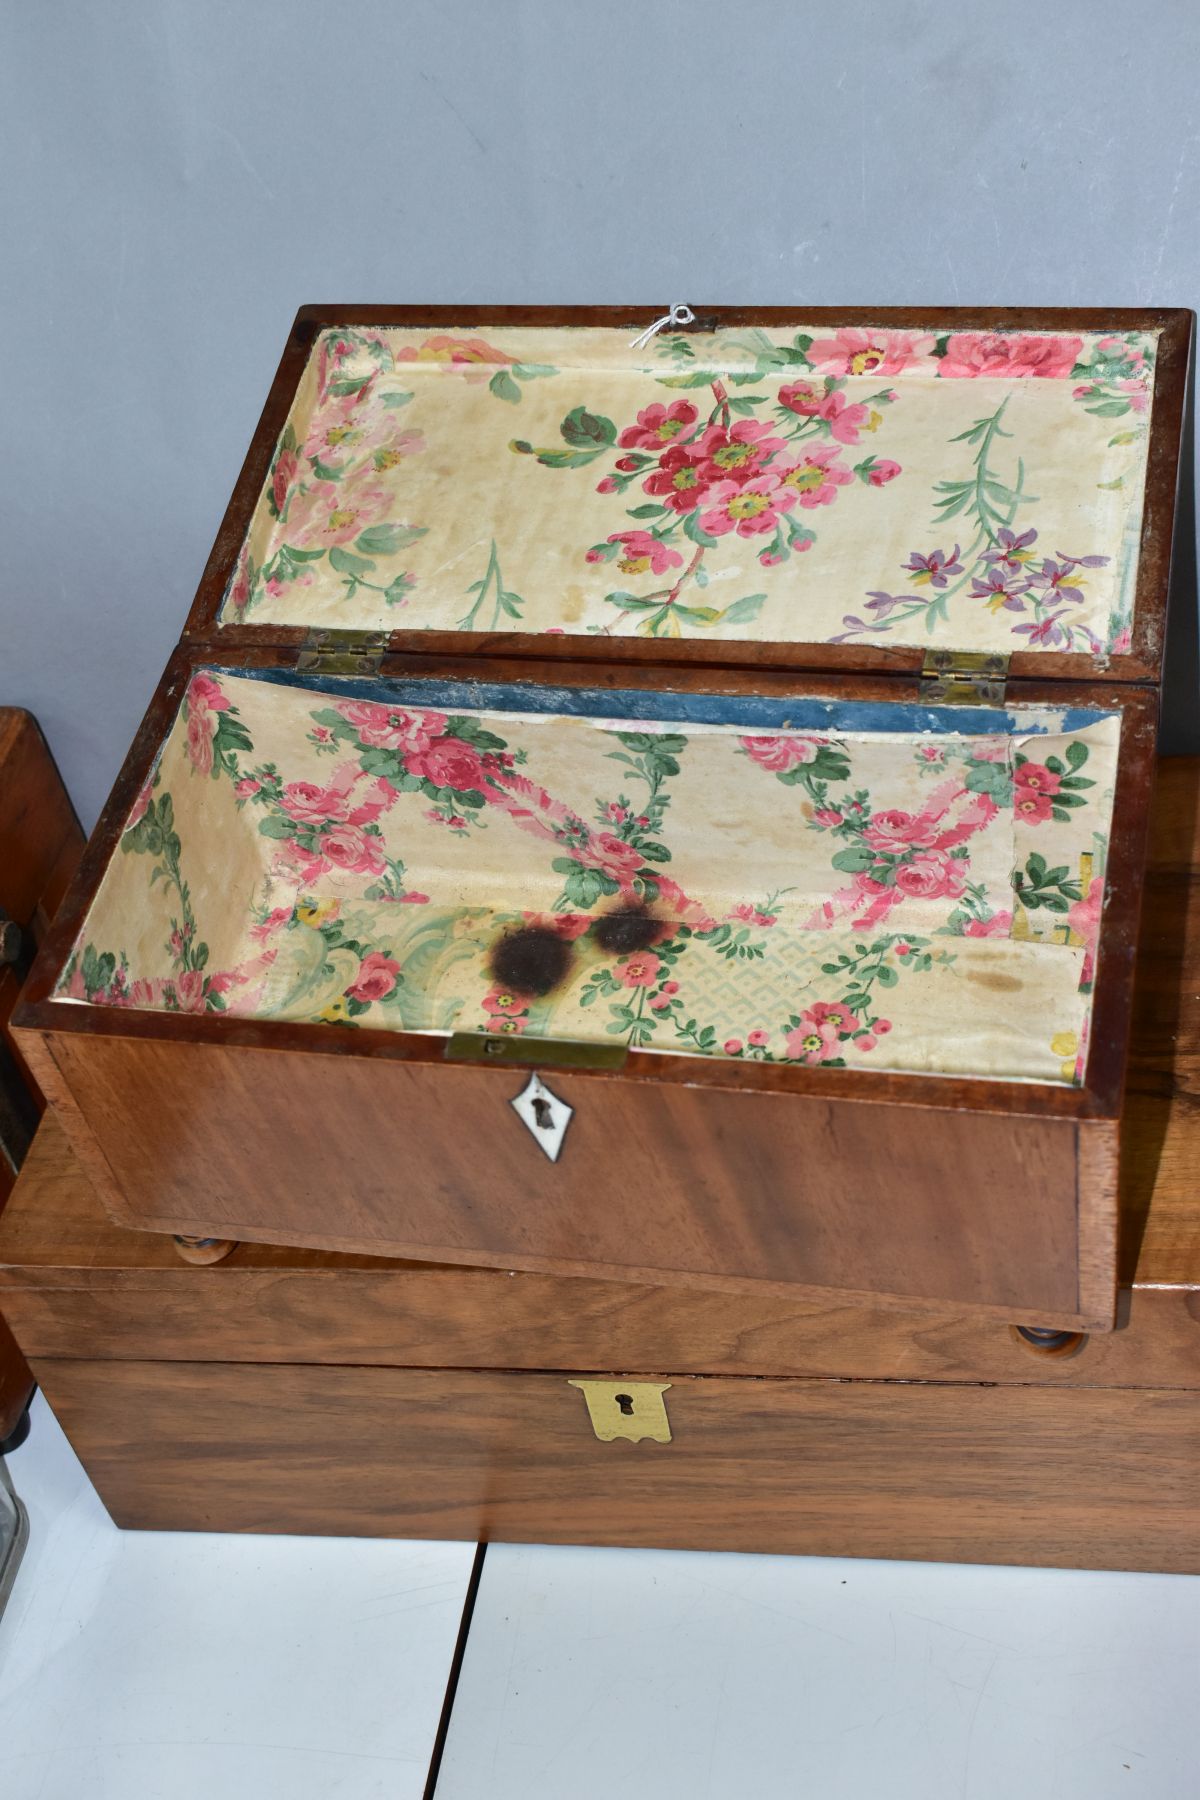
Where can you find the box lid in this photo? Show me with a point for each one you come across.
(803, 488)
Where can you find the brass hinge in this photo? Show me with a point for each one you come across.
(627, 1409)
(964, 678)
(534, 1052)
(342, 653)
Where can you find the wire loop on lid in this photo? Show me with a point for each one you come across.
(678, 315)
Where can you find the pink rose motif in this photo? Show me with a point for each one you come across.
(747, 507)
(658, 426)
(733, 1046)
(780, 753)
(246, 787)
(312, 805)
(348, 847)
(138, 810)
(569, 925)
(204, 695)
(678, 480)
(803, 397)
(471, 356)
(881, 472)
(1038, 777)
(286, 467)
(201, 730)
(510, 1023)
(758, 1039)
(999, 925)
(142, 993)
(1010, 355)
(844, 418)
(502, 1002)
(818, 1037)
(278, 917)
(376, 977)
(816, 478)
(749, 914)
(825, 815)
(1122, 642)
(644, 554)
(893, 830)
(239, 589)
(831, 1010)
(931, 875)
(1135, 393)
(872, 352)
(331, 513)
(736, 452)
(1084, 916)
(449, 762)
(1034, 788)
(639, 970)
(610, 854)
(189, 991)
(390, 727)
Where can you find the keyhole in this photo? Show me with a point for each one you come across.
(543, 1114)
(625, 1403)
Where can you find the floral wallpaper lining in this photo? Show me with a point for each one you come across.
(883, 899)
(971, 490)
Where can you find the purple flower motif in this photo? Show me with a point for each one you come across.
(1057, 580)
(1011, 551)
(1081, 562)
(1050, 631)
(933, 570)
(1045, 631)
(855, 626)
(882, 604)
(1000, 590)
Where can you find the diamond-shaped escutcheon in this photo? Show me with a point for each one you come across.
(544, 1114)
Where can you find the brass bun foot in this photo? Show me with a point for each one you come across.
(203, 1249)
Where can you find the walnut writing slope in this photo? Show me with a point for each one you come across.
(670, 812)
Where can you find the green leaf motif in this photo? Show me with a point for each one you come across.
(504, 387)
(853, 860)
(346, 563)
(585, 430)
(385, 540)
(741, 611)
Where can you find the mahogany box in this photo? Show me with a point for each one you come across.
(294, 1390)
(666, 806)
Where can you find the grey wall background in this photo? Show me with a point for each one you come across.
(176, 177)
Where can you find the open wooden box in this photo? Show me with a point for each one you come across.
(749, 733)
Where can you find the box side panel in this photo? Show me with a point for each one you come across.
(703, 1186)
(1098, 1479)
(438, 1318)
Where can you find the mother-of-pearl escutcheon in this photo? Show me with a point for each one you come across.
(544, 1114)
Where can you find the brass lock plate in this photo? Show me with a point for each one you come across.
(626, 1409)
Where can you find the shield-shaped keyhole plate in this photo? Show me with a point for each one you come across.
(545, 1116)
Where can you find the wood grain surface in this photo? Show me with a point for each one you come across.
(1088, 1479)
(76, 1285)
(40, 845)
